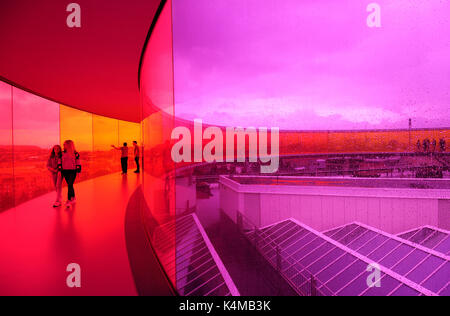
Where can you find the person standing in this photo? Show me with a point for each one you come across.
(442, 145)
(425, 145)
(70, 166)
(433, 145)
(123, 157)
(52, 165)
(137, 156)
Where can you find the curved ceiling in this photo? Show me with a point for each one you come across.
(93, 68)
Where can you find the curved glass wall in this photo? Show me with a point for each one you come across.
(6, 149)
(36, 131)
(30, 126)
(235, 63)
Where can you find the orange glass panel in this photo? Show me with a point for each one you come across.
(6, 149)
(129, 132)
(105, 133)
(77, 126)
(36, 131)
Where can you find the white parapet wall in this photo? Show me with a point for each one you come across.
(392, 209)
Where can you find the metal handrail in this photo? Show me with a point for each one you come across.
(279, 251)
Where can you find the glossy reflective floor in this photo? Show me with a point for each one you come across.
(37, 242)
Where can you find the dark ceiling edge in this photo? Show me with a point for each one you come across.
(149, 34)
(147, 39)
(18, 86)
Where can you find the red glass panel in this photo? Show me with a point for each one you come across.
(6, 149)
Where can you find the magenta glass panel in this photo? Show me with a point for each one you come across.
(388, 285)
(439, 279)
(425, 269)
(265, 63)
(357, 233)
(346, 276)
(444, 246)
(405, 290)
(316, 254)
(358, 243)
(36, 131)
(434, 239)
(6, 148)
(336, 267)
(325, 260)
(384, 250)
(372, 244)
(358, 285)
(409, 262)
(396, 256)
(156, 89)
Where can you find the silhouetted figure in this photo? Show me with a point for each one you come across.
(425, 145)
(123, 157)
(433, 145)
(137, 156)
(52, 165)
(442, 144)
(70, 166)
(419, 146)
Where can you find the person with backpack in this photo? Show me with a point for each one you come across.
(70, 166)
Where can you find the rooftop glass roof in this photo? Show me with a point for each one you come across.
(339, 264)
(423, 266)
(429, 237)
(190, 260)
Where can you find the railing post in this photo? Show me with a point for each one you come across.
(313, 286)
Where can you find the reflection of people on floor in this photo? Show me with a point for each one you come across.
(70, 166)
(52, 165)
(137, 155)
(123, 157)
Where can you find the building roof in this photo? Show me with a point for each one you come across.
(430, 237)
(339, 265)
(190, 260)
(428, 268)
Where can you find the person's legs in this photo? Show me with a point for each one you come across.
(138, 168)
(56, 180)
(58, 187)
(74, 176)
(124, 162)
(70, 176)
(66, 177)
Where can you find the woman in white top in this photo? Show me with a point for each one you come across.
(70, 166)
